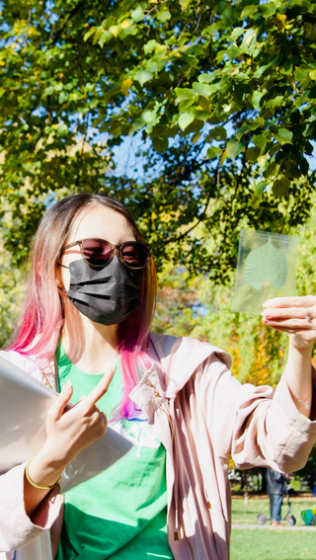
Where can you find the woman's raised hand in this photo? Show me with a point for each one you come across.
(294, 315)
(68, 433)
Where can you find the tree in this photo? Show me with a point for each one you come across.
(196, 306)
(218, 96)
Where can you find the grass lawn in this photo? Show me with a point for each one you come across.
(271, 545)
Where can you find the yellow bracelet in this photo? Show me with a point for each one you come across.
(35, 485)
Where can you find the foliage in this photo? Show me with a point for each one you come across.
(219, 97)
(196, 306)
(11, 297)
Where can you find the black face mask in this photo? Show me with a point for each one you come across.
(105, 295)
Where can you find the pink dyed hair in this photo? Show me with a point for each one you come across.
(42, 319)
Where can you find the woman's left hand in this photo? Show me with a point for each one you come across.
(294, 315)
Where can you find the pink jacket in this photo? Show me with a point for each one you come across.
(201, 413)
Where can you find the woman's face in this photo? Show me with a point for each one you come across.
(94, 222)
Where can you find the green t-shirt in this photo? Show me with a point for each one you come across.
(121, 513)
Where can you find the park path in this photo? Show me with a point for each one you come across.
(247, 526)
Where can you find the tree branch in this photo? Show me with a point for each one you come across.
(201, 218)
(66, 20)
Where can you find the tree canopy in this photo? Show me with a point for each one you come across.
(218, 98)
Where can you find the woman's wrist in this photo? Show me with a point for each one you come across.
(298, 374)
(44, 470)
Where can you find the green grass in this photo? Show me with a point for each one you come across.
(248, 514)
(271, 545)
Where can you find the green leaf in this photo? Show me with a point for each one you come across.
(281, 187)
(185, 120)
(311, 32)
(152, 66)
(270, 171)
(301, 73)
(89, 33)
(138, 14)
(163, 16)
(260, 188)
(217, 133)
(150, 46)
(206, 78)
(201, 113)
(283, 135)
(143, 76)
(160, 144)
(233, 148)
(214, 152)
(259, 140)
(256, 98)
(248, 11)
(275, 101)
(238, 31)
(195, 126)
(252, 154)
(266, 266)
(203, 89)
(106, 36)
(249, 37)
(210, 29)
(241, 131)
(184, 94)
(62, 130)
(268, 10)
(253, 125)
(149, 117)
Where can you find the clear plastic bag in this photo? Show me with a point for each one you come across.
(266, 269)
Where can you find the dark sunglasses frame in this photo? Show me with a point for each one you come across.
(113, 247)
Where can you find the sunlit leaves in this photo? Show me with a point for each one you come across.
(219, 96)
(283, 135)
(143, 76)
(185, 120)
(233, 149)
(138, 14)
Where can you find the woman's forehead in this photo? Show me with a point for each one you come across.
(103, 222)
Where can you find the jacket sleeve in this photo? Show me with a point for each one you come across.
(259, 427)
(16, 528)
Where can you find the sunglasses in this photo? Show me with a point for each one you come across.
(99, 252)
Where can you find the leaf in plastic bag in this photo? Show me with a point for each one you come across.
(266, 266)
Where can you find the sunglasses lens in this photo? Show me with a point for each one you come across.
(135, 254)
(97, 252)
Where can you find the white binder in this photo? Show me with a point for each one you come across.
(24, 403)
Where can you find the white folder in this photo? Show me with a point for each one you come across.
(24, 403)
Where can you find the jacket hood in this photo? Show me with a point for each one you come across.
(180, 357)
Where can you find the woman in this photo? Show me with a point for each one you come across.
(86, 330)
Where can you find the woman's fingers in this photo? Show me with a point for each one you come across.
(289, 312)
(99, 390)
(289, 323)
(296, 301)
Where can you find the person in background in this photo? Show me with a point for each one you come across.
(276, 488)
